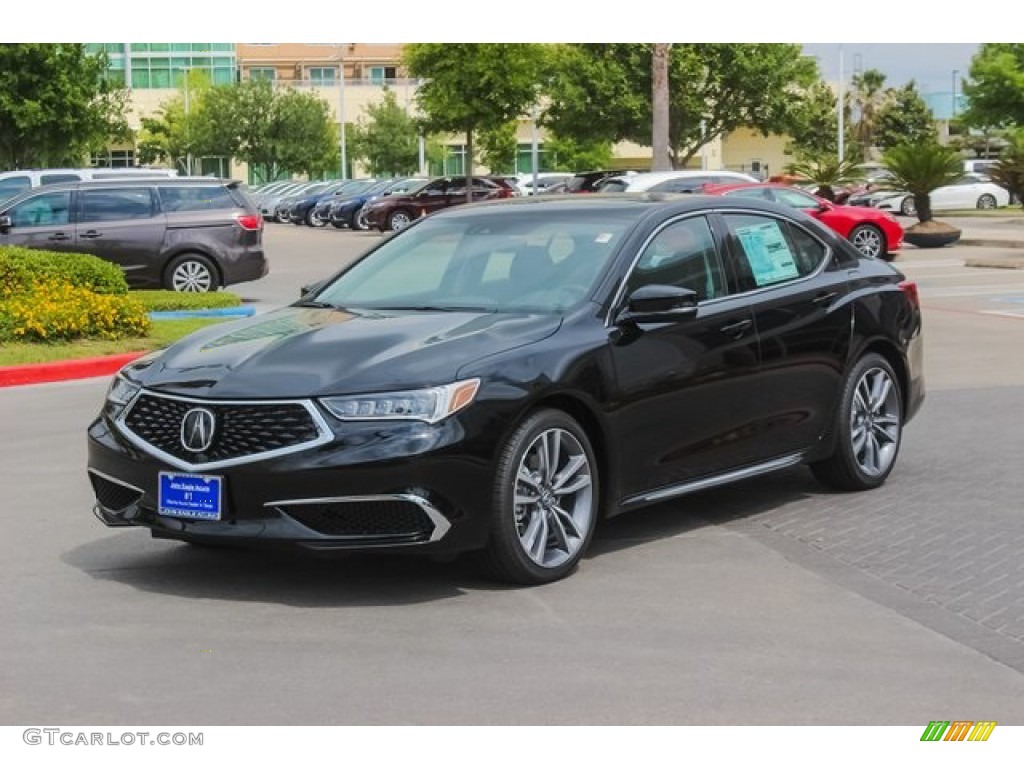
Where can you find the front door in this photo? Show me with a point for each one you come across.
(41, 221)
(687, 400)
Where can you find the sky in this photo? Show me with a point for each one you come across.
(931, 65)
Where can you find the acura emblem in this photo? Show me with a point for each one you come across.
(197, 430)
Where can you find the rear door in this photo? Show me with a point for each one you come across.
(124, 225)
(43, 220)
(797, 289)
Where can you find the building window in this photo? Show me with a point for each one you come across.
(113, 158)
(263, 73)
(323, 75)
(380, 75)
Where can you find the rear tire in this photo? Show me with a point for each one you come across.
(869, 240)
(191, 273)
(868, 428)
(907, 207)
(545, 501)
(986, 202)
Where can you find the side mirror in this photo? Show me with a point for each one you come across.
(659, 304)
(305, 290)
(5, 223)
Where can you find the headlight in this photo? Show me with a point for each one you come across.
(429, 405)
(121, 393)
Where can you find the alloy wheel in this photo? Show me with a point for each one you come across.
(400, 220)
(867, 240)
(192, 277)
(554, 498)
(875, 422)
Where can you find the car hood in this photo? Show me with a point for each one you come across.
(308, 352)
(858, 213)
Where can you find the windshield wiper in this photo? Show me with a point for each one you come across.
(315, 304)
(433, 308)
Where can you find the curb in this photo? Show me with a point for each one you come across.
(995, 262)
(64, 370)
(181, 314)
(988, 242)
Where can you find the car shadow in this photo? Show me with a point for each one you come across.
(302, 579)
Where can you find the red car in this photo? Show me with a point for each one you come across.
(873, 232)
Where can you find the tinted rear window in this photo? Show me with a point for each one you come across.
(13, 186)
(198, 198)
(58, 178)
(116, 204)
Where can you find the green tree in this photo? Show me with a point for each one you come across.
(904, 117)
(303, 136)
(995, 90)
(499, 146)
(603, 92)
(868, 97)
(568, 154)
(814, 122)
(181, 128)
(387, 138)
(825, 170)
(1009, 171)
(471, 87)
(56, 105)
(920, 169)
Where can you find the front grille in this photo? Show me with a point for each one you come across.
(240, 429)
(385, 518)
(111, 495)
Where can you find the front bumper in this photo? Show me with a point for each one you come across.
(377, 486)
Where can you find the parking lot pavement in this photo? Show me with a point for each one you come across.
(770, 602)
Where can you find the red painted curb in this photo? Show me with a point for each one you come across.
(62, 370)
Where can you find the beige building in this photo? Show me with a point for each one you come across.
(368, 69)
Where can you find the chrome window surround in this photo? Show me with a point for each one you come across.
(620, 291)
(441, 523)
(325, 433)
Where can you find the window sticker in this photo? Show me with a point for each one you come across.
(768, 253)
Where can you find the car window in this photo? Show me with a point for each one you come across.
(58, 178)
(614, 185)
(770, 251)
(52, 209)
(796, 199)
(537, 262)
(116, 204)
(686, 185)
(13, 186)
(197, 198)
(682, 254)
(758, 193)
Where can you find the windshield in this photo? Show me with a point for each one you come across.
(502, 261)
(408, 186)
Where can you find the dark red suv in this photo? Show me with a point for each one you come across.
(394, 212)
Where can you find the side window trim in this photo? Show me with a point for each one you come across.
(619, 296)
(732, 257)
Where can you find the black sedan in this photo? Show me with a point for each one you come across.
(498, 377)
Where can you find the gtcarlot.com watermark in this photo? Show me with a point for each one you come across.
(58, 736)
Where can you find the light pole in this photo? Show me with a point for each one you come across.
(341, 109)
(955, 73)
(188, 142)
(842, 146)
(534, 147)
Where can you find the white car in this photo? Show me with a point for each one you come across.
(673, 181)
(972, 191)
(544, 180)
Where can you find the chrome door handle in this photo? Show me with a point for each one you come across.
(736, 329)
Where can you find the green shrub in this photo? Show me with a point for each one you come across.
(168, 301)
(20, 268)
(54, 310)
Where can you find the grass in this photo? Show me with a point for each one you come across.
(163, 333)
(164, 301)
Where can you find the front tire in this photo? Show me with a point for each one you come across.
(869, 240)
(545, 501)
(359, 222)
(868, 428)
(315, 221)
(191, 273)
(399, 220)
(907, 207)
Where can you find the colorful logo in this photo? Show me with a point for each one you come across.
(958, 730)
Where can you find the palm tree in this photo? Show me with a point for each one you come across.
(1009, 171)
(920, 169)
(661, 160)
(868, 96)
(825, 170)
